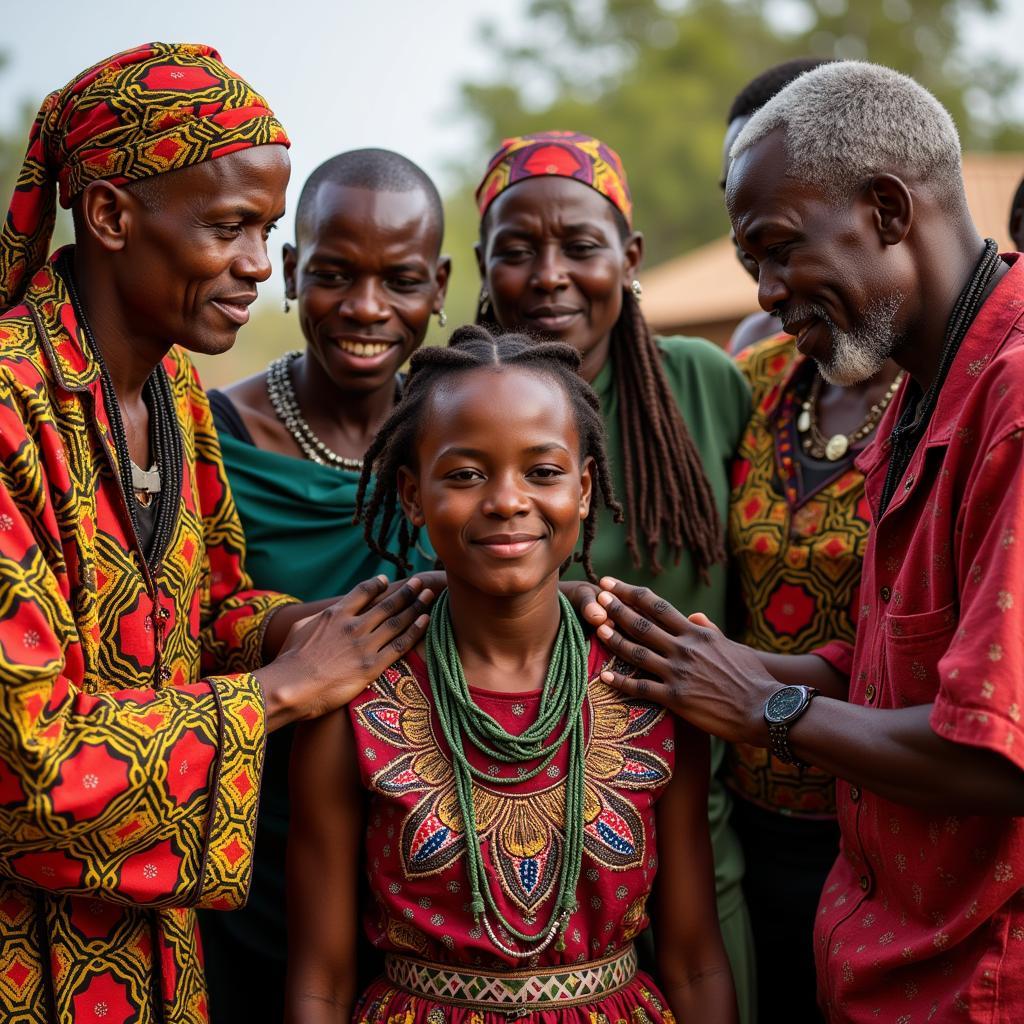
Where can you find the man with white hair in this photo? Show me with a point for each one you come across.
(847, 191)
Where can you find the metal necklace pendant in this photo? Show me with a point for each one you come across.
(836, 447)
(165, 434)
(145, 483)
(286, 407)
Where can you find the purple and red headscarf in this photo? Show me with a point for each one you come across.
(155, 108)
(563, 154)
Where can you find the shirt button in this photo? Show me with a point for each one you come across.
(869, 692)
(865, 882)
(885, 593)
(854, 793)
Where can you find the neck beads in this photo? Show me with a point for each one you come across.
(285, 403)
(462, 721)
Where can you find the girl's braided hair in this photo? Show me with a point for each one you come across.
(668, 497)
(394, 446)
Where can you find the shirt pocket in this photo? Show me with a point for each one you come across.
(913, 646)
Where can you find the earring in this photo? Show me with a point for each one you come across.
(484, 302)
(442, 318)
(286, 305)
(637, 289)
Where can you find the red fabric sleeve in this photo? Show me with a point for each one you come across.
(839, 654)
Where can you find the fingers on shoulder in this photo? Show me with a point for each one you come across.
(362, 595)
(631, 685)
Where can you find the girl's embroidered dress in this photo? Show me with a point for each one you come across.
(416, 860)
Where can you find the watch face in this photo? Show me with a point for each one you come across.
(784, 703)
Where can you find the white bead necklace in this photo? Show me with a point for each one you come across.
(286, 407)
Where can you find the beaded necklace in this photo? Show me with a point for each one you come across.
(565, 688)
(165, 437)
(833, 448)
(286, 407)
(917, 414)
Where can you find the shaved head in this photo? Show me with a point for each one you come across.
(378, 170)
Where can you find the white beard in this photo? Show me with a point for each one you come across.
(858, 354)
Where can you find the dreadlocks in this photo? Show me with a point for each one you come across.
(394, 446)
(668, 497)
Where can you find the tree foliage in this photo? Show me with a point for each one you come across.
(13, 143)
(655, 80)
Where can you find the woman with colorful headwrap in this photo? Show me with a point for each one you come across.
(136, 689)
(559, 259)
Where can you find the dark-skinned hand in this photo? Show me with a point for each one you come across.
(330, 657)
(325, 654)
(582, 594)
(686, 664)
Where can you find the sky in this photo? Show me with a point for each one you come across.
(340, 74)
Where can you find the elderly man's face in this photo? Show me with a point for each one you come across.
(822, 267)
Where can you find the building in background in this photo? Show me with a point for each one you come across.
(706, 292)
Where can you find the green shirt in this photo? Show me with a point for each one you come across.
(714, 400)
(300, 539)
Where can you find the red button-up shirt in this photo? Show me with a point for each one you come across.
(922, 917)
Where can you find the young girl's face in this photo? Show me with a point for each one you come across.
(499, 483)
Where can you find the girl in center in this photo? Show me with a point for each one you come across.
(520, 811)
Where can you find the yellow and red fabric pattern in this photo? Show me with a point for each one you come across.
(796, 560)
(128, 779)
(562, 154)
(155, 108)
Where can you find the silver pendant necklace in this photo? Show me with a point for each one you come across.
(285, 403)
(145, 483)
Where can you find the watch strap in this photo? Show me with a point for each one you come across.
(778, 733)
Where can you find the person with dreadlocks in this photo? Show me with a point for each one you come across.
(520, 811)
(559, 260)
(140, 670)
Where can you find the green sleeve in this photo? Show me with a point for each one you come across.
(702, 374)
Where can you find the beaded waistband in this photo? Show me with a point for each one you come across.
(566, 985)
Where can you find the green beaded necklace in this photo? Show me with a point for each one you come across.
(565, 689)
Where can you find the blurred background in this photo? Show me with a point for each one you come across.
(444, 82)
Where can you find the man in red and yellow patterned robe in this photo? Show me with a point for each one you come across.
(123, 779)
(132, 717)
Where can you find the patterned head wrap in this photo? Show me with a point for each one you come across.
(563, 154)
(158, 107)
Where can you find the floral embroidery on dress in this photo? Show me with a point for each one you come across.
(522, 829)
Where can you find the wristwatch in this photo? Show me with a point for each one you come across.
(781, 710)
